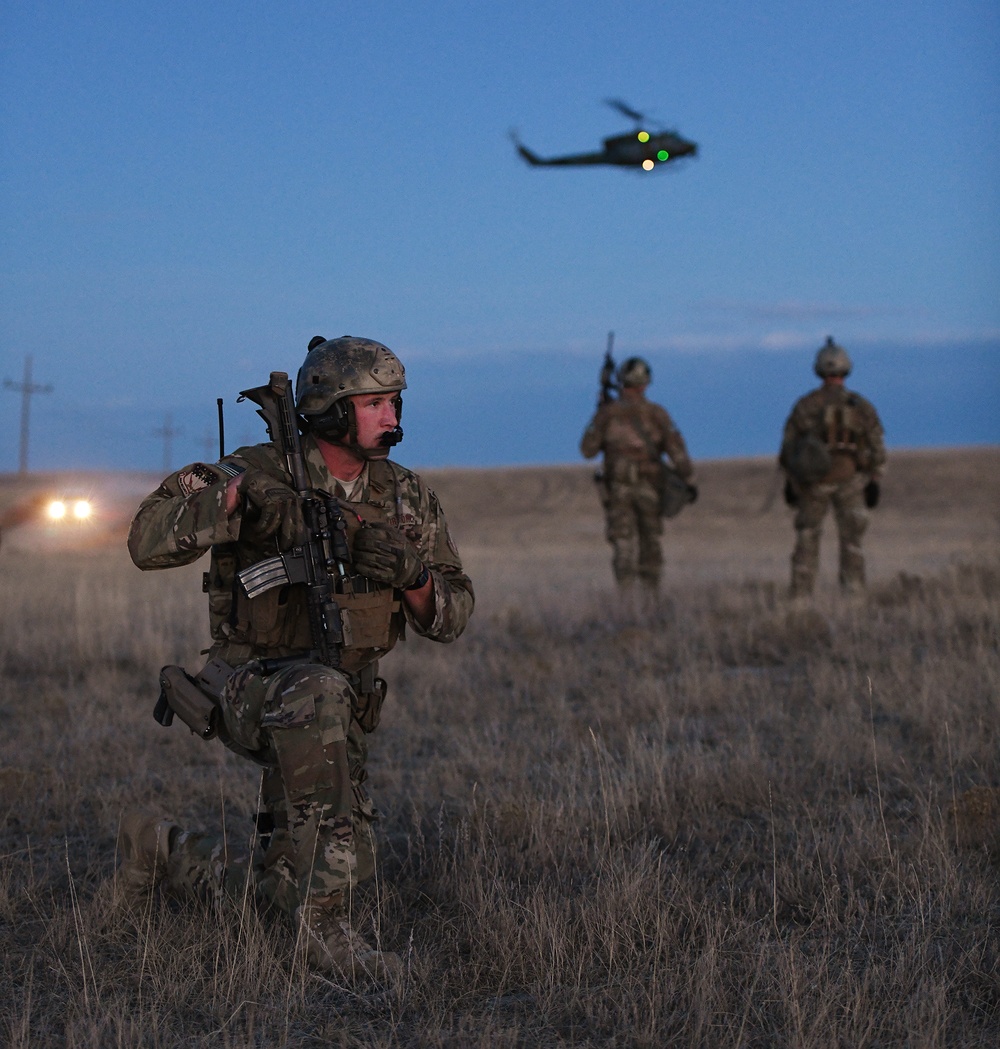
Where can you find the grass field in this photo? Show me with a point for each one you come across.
(715, 823)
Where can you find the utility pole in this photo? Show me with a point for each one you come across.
(168, 433)
(26, 389)
(211, 445)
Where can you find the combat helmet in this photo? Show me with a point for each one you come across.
(334, 371)
(832, 360)
(634, 372)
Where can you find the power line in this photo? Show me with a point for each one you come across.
(168, 433)
(26, 388)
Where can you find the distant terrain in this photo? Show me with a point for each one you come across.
(935, 505)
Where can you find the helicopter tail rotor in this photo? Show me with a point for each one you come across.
(526, 154)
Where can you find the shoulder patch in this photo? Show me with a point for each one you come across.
(195, 478)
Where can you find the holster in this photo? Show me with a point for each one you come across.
(195, 700)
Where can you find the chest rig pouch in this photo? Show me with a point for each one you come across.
(271, 612)
(368, 610)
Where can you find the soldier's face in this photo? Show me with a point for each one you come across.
(376, 415)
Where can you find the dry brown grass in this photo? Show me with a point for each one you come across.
(719, 823)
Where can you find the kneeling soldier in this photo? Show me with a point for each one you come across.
(300, 708)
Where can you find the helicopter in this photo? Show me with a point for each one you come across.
(635, 149)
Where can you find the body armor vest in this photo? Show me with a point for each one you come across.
(276, 622)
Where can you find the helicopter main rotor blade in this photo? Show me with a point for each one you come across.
(628, 111)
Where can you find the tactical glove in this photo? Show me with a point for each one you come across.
(872, 492)
(693, 492)
(272, 508)
(384, 554)
(791, 495)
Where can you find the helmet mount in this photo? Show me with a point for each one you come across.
(832, 361)
(634, 372)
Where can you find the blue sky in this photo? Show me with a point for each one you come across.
(191, 191)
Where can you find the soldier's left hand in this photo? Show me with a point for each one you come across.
(791, 495)
(384, 554)
(872, 492)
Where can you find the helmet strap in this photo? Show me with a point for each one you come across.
(369, 454)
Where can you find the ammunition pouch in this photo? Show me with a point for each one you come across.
(370, 691)
(195, 700)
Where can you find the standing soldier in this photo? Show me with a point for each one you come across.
(634, 434)
(832, 451)
(305, 721)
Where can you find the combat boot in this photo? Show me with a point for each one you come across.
(144, 845)
(332, 946)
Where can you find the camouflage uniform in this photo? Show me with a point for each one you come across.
(849, 427)
(633, 434)
(306, 723)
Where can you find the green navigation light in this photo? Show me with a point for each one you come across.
(662, 155)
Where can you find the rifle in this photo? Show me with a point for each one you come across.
(321, 561)
(607, 380)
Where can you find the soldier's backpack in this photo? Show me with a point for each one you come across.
(809, 459)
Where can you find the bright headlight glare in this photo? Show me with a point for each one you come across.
(57, 509)
(81, 509)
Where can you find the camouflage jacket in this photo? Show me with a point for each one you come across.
(635, 433)
(186, 516)
(846, 423)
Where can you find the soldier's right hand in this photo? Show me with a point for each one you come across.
(272, 509)
(872, 492)
(791, 495)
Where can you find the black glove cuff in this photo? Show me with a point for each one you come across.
(421, 579)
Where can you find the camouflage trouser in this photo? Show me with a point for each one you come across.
(852, 519)
(314, 834)
(634, 527)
